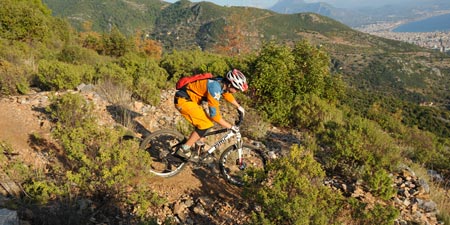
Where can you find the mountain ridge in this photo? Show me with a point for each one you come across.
(357, 17)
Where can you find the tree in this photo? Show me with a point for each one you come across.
(312, 68)
(271, 83)
(115, 43)
(147, 46)
(234, 39)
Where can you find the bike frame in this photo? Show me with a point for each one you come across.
(225, 138)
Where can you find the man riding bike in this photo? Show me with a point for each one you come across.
(188, 102)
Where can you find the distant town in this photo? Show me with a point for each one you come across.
(439, 41)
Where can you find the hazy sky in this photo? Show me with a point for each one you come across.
(335, 3)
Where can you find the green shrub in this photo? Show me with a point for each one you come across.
(359, 143)
(360, 149)
(115, 44)
(272, 84)
(99, 162)
(381, 184)
(148, 91)
(42, 191)
(75, 54)
(148, 77)
(71, 111)
(312, 69)
(55, 75)
(295, 193)
(421, 145)
(24, 20)
(185, 63)
(313, 113)
(23, 174)
(115, 73)
(391, 122)
(366, 214)
(282, 75)
(14, 79)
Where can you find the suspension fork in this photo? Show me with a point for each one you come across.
(240, 160)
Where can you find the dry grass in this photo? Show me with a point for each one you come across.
(439, 193)
(120, 98)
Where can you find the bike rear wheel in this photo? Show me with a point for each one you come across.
(161, 146)
(251, 170)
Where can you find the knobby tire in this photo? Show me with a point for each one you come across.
(161, 146)
(251, 173)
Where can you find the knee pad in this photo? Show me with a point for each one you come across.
(201, 133)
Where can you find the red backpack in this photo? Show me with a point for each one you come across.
(186, 80)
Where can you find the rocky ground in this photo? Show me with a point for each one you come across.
(197, 195)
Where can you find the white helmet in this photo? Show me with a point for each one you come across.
(237, 79)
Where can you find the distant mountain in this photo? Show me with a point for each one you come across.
(298, 6)
(367, 15)
(346, 16)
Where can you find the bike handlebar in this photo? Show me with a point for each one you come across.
(237, 123)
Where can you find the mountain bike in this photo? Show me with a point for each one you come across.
(239, 163)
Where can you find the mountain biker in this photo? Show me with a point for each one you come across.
(188, 103)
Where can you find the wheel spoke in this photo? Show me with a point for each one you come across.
(246, 171)
(160, 145)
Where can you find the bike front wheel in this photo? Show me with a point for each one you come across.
(250, 169)
(161, 146)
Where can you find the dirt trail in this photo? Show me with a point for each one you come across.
(18, 120)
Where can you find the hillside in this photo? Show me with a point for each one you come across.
(102, 16)
(196, 196)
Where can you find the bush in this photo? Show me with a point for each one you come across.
(186, 63)
(98, 161)
(13, 79)
(295, 193)
(115, 73)
(148, 90)
(71, 111)
(365, 214)
(271, 83)
(75, 54)
(421, 145)
(24, 20)
(115, 44)
(381, 184)
(55, 75)
(148, 77)
(281, 75)
(359, 143)
(42, 191)
(313, 113)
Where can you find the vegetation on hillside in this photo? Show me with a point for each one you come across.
(370, 62)
(347, 132)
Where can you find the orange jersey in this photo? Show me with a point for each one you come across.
(211, 91)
